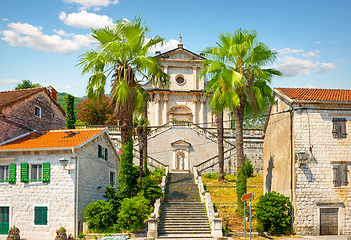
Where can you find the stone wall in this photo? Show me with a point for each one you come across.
(58, 195)
(22, 112)
(314, 180)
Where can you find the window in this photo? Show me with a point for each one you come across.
(112, 177)
(340, 172)
(38, 172)
(37, 111)
(8, 173)
(180, 80)
(41, 215)
(339, 128)
(102, 152)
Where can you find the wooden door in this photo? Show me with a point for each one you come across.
(4, 220)
(329, 221)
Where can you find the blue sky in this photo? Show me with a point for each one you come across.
(42, 40)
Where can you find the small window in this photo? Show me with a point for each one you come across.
(112, 177)
(340, 175)
(36, 172)
(37, 111)
(4, 173)
(102, 152)
(180, 80)
(339, 128)
(41, 215)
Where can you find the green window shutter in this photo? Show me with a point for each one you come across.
(46, 172)
(37, 215)
(44, 216)
(99, 150)
(24, 172)
(106, 151)
(12, 173)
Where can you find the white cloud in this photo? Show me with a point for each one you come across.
(318, 42)
(171, 44)
(10, 81)
(61, 33)
(26, 35)
(288, 50)
(290, 66)
(96, 9)
(311, 54)
(5, 19)
(57, 86)
(92, 3)
(83, 19)
(325, 67)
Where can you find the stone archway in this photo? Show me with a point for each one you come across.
(181, 161)
(180, 113)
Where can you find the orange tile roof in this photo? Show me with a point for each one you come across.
(50, 139)
(313, 94)
(8, 97)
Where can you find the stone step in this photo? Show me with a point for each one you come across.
(185, 221)
(185, 236)
(169, 211)
(176, 231)
(181, 225)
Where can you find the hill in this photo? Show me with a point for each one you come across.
(62, 102)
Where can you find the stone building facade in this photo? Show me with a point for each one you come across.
(29, 109)
(307, 157)
(40, 192)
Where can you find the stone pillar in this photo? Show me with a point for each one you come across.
(194, 78)
(216, 231)
(165, 109)
(186, 160)
(195, 111)
(202, 111)
(174, 159)
(157, 113)
(152, 226)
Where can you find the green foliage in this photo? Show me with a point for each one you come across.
(114, 197)
(126, 171)
(273, 212)
(248, 168)
(150, 189)
(81, 235)
(158, 174)
(134, 211)
(27, 84)
(71, 117)
(63, 230)
(96, 112)
(241, 189)
(98, 214)
(62, 102)
(210, 175)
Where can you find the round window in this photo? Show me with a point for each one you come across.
(180, 80)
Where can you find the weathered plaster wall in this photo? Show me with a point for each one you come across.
(22, 112)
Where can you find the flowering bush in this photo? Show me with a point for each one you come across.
(94, 112)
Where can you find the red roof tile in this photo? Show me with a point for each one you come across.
(9, 97)
(52, 139)
(313, 94)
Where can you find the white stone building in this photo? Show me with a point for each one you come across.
(307, 157)
(47, 178)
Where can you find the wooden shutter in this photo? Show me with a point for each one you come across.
(46, 172)
(24, 172)
(99, 150)
(44, 216)
(339, 127)
(12, 173)
(336, 174)
(36, 215)
(329, 221)
(106, 152)
(344, 175)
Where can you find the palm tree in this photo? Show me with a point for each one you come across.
(141, 131)
(238, 62)
(122, 53)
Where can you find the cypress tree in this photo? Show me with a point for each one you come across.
(71, 117)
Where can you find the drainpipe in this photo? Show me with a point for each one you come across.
(76, 198)
(291, 153)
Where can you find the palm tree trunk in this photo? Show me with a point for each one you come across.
(140, 132)
(239, 119)
(145, 139)
(126, 129)
(220, 148)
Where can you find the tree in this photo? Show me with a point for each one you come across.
(141, 131)
(71, 117)
(27, 84)
(122, 51)
(239, 61)
(94, 112)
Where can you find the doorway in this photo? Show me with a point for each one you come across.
(329, 221)
(4, 220)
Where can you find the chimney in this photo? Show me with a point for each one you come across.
(53, 92)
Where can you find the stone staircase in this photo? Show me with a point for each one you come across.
(182, 212)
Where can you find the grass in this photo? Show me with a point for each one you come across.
(227, 196)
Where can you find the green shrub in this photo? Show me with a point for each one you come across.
(210, 175)
(248, 168)
(115, 198)
(241, 189)
(134, 211)
(273, 212)
(98, 215)
(158, 174)
(127, 171)
(150, 189)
